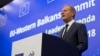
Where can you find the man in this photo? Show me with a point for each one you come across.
(73, 33)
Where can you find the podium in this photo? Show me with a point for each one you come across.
(43, 45)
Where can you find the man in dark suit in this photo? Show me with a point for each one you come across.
(73, 33)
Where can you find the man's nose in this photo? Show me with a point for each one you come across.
(62, 13)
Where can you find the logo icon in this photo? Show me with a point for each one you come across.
(31, 54)
(24, 9)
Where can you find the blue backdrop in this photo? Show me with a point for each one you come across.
(23, 18)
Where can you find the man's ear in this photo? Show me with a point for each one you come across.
(72, 13)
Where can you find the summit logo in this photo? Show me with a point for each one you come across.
(24, 9)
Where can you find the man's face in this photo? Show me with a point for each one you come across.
(67, 14)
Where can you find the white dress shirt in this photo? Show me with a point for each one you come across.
(69, 25)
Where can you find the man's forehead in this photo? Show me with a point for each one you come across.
(66, 7)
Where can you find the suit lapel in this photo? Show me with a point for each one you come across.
(61, 32)
(68, 33)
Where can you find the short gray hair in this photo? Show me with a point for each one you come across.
(72, 9)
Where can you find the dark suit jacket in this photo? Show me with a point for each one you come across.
(77, 35)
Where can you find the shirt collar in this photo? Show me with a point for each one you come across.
(71, 22)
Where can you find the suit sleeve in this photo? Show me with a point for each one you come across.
(82, 38)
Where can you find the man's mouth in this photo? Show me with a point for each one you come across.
(63, 15)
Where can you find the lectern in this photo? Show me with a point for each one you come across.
(43, 45)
